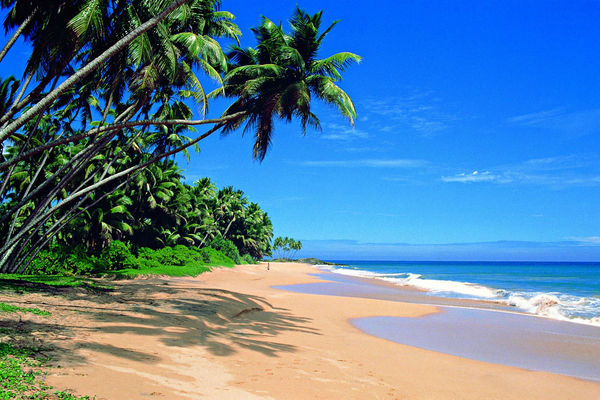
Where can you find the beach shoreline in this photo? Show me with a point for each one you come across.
(229, 334)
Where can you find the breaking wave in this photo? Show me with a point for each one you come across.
(559, 306)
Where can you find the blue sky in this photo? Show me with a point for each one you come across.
(476, 138)
(478, 123)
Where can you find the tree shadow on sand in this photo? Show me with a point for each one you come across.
(179, 314)
(218, 320)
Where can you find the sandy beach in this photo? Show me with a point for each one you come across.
(229, 334)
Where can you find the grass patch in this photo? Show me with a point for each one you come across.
(10, 309)
(33, 283)
(170, 270)
(56, 280)
(192, 262)
(21, 373)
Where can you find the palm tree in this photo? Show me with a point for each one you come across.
(279, 78)
(120, 54)
(113, 67)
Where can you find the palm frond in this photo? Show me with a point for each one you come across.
(90, 16)
(333, 64)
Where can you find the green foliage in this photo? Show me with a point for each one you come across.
(247, 259)
(10, 309)
(50, 280)
(21, 375)
(227, 248)
(158, 215)
(181, 256)
(286, 247)
(18, 376)
(192, 269)
(177, 261)
(205, 254)
(217, 257)
(178, 255)
(279, 78)
(64, 260)
(87, 162)
(117, 256)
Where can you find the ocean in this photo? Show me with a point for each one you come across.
(568, 291)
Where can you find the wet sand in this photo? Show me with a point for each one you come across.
(475, 329)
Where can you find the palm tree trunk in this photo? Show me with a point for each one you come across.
(22, 90)
(37, 173)
(116, 127)
(71, 165)
(22, 149)
(228, 226)
(58, 225)
(16, 35)
(35, 221)
(86, 70)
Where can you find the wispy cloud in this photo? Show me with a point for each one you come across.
(474, 176)
(420, 112)
(367, 163)
(557, 172)
(556, 163)
(587, 240)
(537, 117)
(573, 123)
(335, 131)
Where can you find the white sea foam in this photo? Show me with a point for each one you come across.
(583, 310)
(558, 306)
(442, 286)
(430, 285)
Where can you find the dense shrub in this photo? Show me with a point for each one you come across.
(247, 259)
(64, 260)
(205, 255)
(215, 257)
(178, 255)
(227, 248)
(46, 262)
(117, 256)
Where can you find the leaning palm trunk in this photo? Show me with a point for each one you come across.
(16, 34)
(85, 71)
(34, 224)
(77, 167)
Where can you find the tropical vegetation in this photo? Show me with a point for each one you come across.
(106, 98)
(286, 247)
(22, 369)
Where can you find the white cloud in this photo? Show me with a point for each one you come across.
(587, 240)
(554, 163)
(574, 123)
(555, 172)
(419, 112)
(537, 117)
(474, 176)
(334, 131)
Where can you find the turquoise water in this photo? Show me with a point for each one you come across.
(563, 291)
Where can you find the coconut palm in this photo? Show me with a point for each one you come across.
(279, 78)
(113, 88)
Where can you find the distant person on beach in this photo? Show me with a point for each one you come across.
(268, 266)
